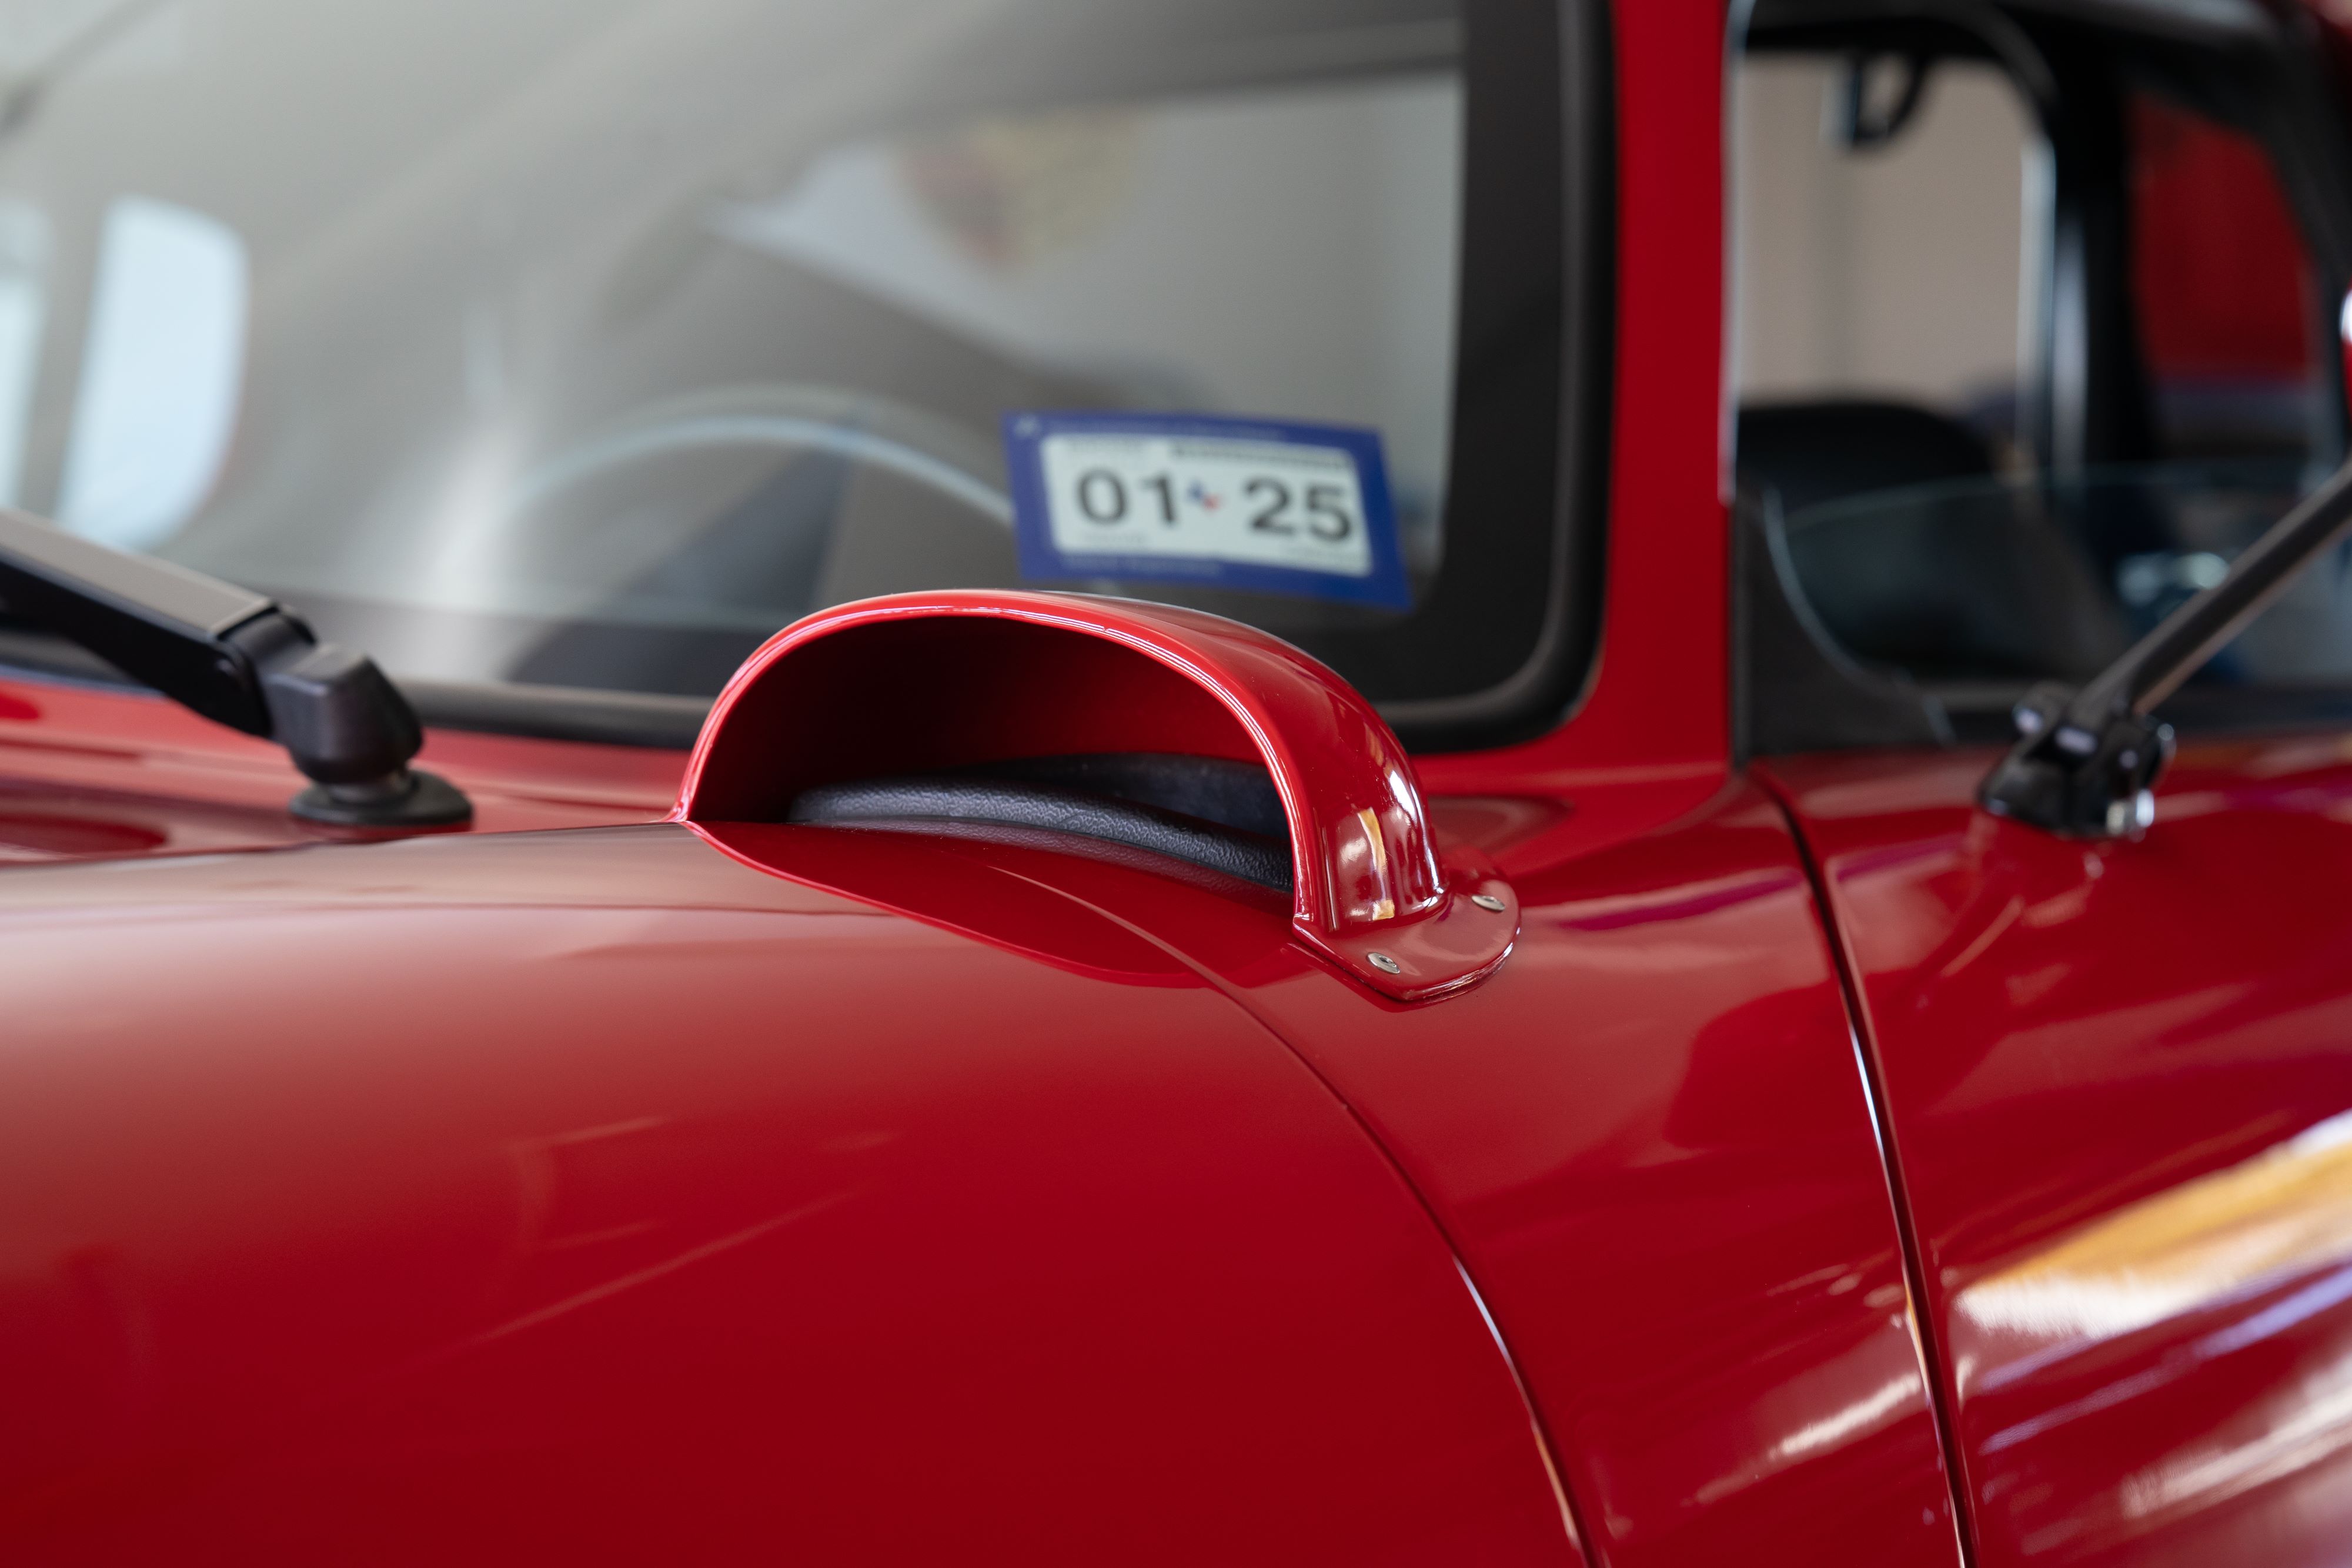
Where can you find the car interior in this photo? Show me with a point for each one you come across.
(2035, 333)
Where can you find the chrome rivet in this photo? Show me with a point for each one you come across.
(1384, 963)
(1488, 902)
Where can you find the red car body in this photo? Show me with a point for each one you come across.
(1802, 1166)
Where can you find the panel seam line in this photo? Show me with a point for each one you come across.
(1926, 1341)
(1571, 1519)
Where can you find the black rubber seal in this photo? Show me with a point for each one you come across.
(1247, 857)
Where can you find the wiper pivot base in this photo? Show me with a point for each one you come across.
(241, 660)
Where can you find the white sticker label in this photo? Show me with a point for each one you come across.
(1257, 502)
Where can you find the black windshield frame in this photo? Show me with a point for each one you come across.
(1486, 661)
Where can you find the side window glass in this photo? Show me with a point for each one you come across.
(1879, 282)
(2019, 374)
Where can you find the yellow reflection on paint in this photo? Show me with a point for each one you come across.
(2286, 1209)
(2313, 1424)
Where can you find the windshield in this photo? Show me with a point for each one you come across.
(588, 343)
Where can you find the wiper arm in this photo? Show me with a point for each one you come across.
(240, 659)
(2088, 760)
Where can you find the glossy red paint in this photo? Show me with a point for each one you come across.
(588, 1197)
(2117, 1082)
(1658, 707)
(725, 1189)
(1647, 1138)
(923, 682)
(1681, 1222)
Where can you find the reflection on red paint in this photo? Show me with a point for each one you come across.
(2115, 1072)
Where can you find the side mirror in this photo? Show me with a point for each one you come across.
(2087, 761)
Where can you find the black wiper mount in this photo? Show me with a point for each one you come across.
(240, 659)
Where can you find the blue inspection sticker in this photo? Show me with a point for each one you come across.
(1254, 504)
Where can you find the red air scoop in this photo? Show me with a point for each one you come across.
(921, 684)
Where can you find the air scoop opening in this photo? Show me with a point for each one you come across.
(1137, 801)
(1093, 722)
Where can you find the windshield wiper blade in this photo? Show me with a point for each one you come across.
(240, 659)
(2087, 762)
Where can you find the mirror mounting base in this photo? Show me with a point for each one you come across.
(2079, 779)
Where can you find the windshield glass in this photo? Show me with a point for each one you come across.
(589, 344)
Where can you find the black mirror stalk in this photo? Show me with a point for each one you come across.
(240, 659)
(2087, 761)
